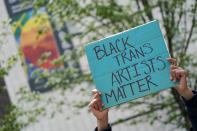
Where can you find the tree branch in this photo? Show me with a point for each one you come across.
(138, 6)
(157, 107)
(148, 10)
(133, 117)
(166, 25)
(180, 16)
(192, 27)
(161, 10)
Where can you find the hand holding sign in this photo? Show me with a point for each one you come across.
(96, 107)
(178, 74)
(130, 64)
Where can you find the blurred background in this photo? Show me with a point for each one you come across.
(45, 81)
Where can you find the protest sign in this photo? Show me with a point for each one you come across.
(130, 64)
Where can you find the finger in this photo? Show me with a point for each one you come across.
(181, 73)
(178, 74)
(94, 105)
(95, 91)
(97, 96)
(174, 75)
(91, 105)
(172, 67)
(174, 62)
(100, 105)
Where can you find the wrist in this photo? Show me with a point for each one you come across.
(187, 94)
(102, 123)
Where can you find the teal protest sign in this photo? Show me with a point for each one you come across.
(130, 64)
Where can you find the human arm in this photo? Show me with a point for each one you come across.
(189, 97)
(101, 115)
(191, 109)
(179, 74)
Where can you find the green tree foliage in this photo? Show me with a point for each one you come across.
(97, 19)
